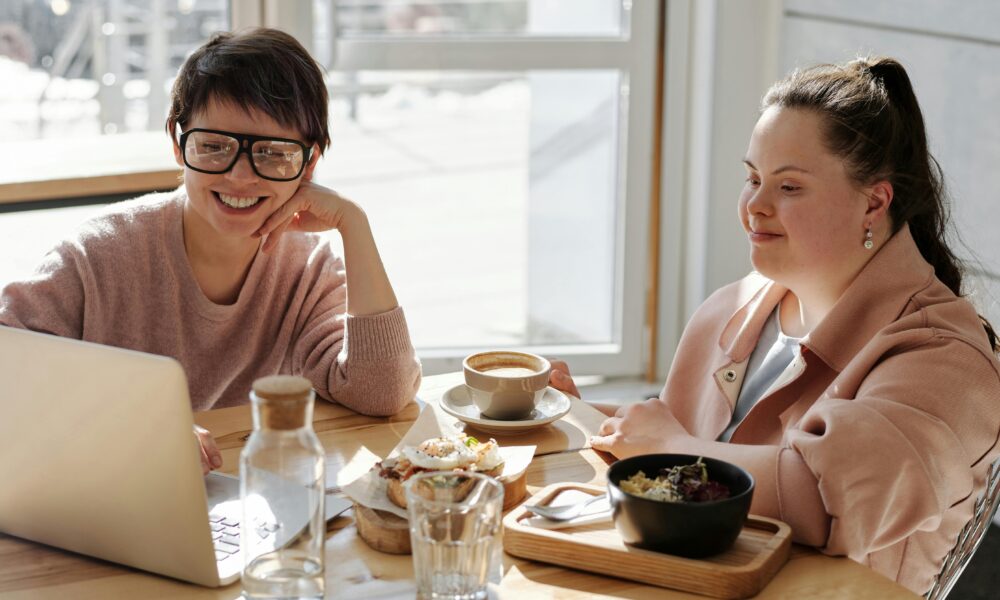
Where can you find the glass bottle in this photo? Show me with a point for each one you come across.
(282, 490)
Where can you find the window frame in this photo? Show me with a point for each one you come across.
(634, 53)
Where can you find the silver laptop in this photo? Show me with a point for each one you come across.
(97, 456)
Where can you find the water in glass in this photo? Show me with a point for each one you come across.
(455, 533)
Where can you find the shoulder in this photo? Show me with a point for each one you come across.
(125, 223)
(144, 211)
(936, 317)
(115, 230)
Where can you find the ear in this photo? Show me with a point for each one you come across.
(879, 198)
(177, 152)
(307, 174)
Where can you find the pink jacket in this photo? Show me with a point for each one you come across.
(881, 436)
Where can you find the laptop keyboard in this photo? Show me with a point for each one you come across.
(225, 536)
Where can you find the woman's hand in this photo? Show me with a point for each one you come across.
(211, 458)
(312, 208)
(316, 208)
(560, 378)
(642, 428)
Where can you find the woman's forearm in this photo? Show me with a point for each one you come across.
(369, 291)
(784, 487)
(760, 461)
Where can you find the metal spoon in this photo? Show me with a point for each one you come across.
(564, 512)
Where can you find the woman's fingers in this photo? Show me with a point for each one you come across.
(272, 237)
(206, 464)
(211, 457)
(279, 217)
(559, 366)
(563, 383)
(604, 443)
(609, 426)
(561, 379)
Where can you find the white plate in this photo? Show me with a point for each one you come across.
(457, 402)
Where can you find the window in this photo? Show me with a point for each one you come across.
(87, 84)
(502, 148)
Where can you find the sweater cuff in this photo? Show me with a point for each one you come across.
(799, 501)
(374, 337)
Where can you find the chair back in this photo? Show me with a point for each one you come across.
(969, 538)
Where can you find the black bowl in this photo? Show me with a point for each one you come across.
(691, 529)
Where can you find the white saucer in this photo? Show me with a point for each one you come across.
(457, 402)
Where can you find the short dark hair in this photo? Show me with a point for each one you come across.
(255, 69)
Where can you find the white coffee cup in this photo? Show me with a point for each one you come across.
(504, 384)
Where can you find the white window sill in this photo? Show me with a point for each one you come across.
(74, 167)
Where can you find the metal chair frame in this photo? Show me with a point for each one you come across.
(969, 538)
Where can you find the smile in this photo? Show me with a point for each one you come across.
(759, 236)
(237, 201)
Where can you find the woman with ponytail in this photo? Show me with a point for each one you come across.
(847, 373)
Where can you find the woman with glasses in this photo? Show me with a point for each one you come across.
(847, 374)
(225, 274)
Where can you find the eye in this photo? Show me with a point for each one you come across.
(753, 180)
(274, 154)
(213, 147)
(788, 188)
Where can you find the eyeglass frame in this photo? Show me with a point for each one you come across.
(246, 142)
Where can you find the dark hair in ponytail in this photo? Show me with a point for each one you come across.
(873, 122)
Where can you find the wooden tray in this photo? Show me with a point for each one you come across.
(390, 533)
(740, 572)
(382, 530)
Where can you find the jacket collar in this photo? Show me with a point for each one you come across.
(739, 337)
(876, 297)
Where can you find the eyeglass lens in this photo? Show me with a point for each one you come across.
(215, 152)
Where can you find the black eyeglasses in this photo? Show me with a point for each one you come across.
(212, 151)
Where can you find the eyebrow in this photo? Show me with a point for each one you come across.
(779, 170)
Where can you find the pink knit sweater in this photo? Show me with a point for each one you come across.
(124, 280)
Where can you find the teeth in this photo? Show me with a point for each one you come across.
(238, 202)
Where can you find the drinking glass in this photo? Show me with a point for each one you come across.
(455, 533)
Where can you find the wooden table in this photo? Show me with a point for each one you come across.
(30, 570)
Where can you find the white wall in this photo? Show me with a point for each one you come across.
(722, 55)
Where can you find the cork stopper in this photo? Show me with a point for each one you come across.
(283, 401)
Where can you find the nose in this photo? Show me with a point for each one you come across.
(242, 170)
(759, 202)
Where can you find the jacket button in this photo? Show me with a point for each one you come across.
(729, 375)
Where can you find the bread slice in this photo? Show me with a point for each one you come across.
(396, 493)
(495, 471)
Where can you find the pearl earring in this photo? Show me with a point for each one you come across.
(869, 244)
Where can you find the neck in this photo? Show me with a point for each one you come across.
(799, 316)
(220, 264)
(805, 305)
